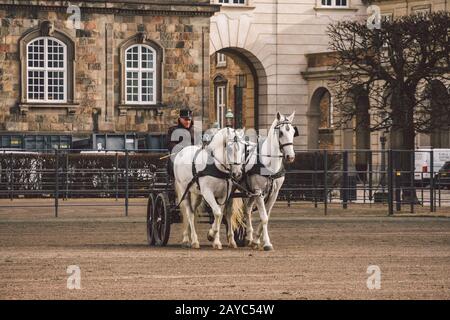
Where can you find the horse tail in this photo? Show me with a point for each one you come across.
(235, 207)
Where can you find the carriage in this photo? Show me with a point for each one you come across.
(162, 211)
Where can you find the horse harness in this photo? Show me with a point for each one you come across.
(210, 170)
(256, 169)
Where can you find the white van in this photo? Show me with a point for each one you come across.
(423, 165)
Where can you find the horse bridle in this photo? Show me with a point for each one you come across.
(224, 166)
(296, 134)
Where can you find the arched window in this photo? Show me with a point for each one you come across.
(140, 75)
(141, 62)
(47, 69)
(46, 60)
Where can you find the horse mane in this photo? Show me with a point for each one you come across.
(218, 137)
(270, 135)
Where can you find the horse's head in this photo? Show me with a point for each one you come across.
(235, 151)
(286, 134)
(228, 149)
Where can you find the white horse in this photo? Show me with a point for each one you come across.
(206, 172)
(265, 177)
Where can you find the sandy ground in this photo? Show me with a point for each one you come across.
(315, 257)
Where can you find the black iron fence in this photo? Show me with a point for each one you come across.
(395, 179)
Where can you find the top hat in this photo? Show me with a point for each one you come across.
(186, 113)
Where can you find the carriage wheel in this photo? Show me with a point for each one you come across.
(161, 220)
(150, 214)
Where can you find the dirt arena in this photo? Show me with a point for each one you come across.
(315, 257)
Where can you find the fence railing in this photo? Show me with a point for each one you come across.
(322, 177)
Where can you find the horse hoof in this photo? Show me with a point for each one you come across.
(196, 245)
(185, 245)
(232, 245)
(217, 246)
(255, 246)
(268, 248)
(248, 243)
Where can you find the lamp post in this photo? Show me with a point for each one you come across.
(229, 119)
(383, 195)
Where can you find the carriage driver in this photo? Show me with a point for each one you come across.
(182, 133)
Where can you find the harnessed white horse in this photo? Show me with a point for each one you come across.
(206, 173)
(264, 176)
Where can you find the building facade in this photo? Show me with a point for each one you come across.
(128, 66)
(285, 46)
(275, 39)
(107, 67)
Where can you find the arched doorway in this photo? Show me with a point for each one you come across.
(238, 82)
(320, 120)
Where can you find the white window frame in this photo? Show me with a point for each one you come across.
(221, 60)
(221, 91)
(333, 4)
(140, 70)
(230, 3)
(46, 70)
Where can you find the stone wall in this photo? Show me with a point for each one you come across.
(183, 36)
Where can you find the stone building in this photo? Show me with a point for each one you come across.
(108, 67)
(285, 48)
(275, 39)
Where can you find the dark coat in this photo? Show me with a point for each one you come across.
(189, 133)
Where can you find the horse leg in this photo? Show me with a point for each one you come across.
(249, 227)
(191, 219)
(264, 220)
(230, 231)
(269, 205)
(213, 233)
(186, 242)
